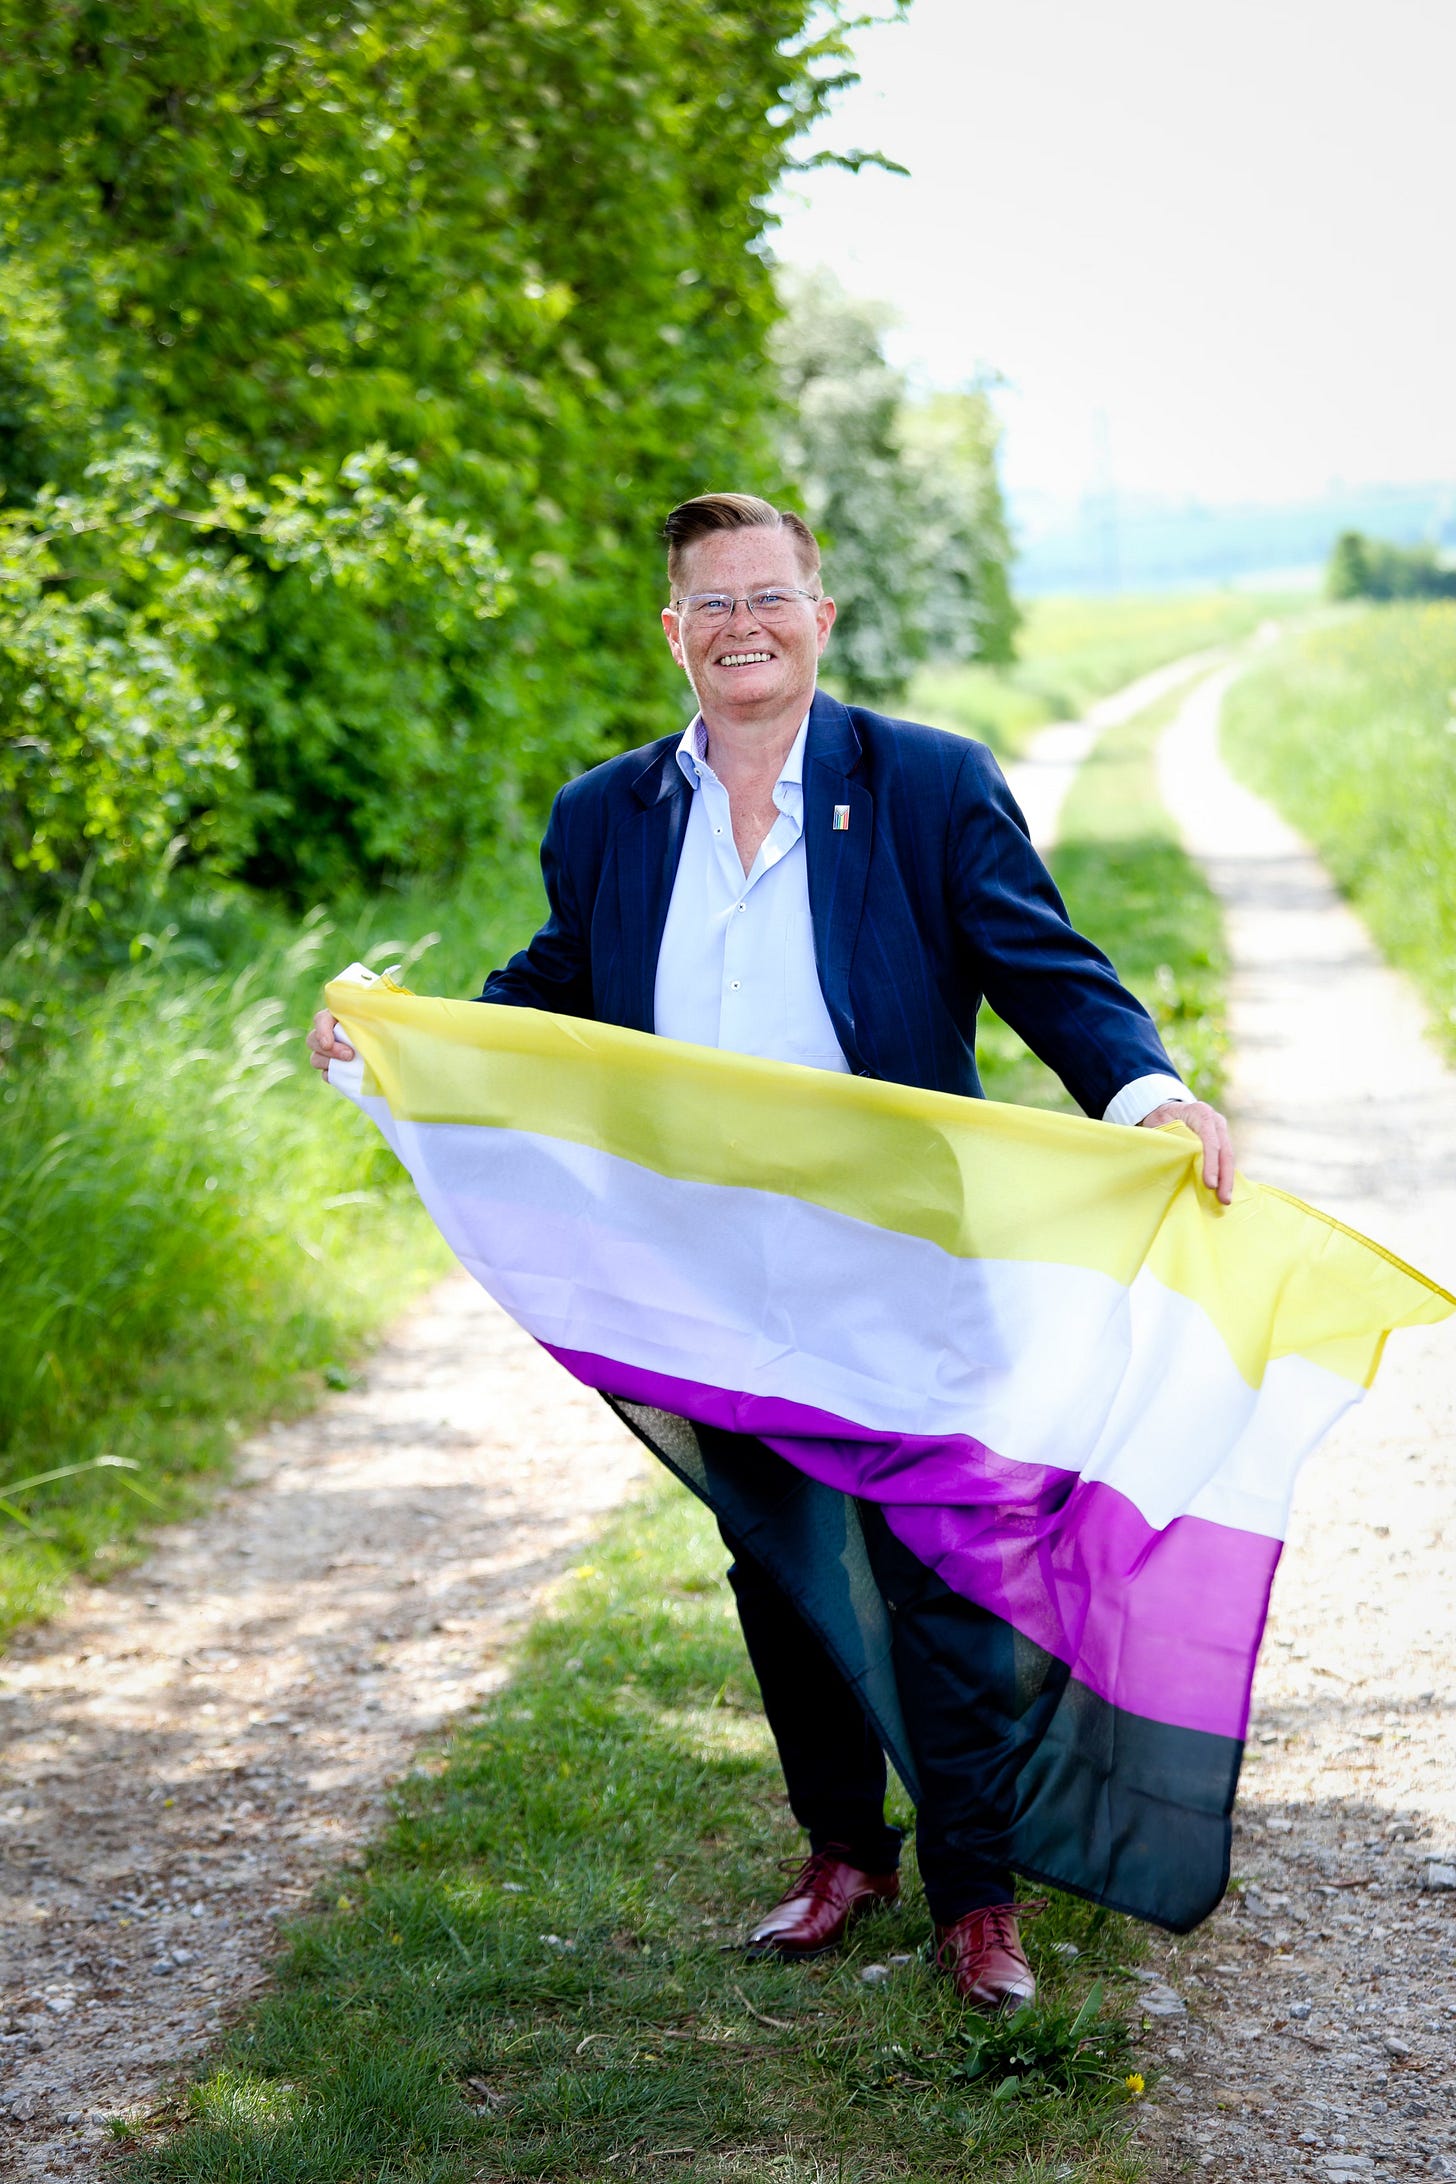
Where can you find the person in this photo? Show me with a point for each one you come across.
(814, 882)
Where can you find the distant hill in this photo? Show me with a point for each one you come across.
(1111, 542)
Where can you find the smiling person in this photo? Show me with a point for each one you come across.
(819, 884)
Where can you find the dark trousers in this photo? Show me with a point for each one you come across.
(834, 1767)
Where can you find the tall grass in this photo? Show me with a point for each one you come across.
(1073, 651)
(1350, 730)
(193, 1230)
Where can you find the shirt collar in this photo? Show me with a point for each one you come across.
(692, 755)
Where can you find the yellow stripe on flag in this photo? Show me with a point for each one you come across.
(981, 1180)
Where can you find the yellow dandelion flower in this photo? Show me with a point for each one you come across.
(1135, 2084)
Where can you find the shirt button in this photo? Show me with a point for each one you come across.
(734, 984)
(742, 906)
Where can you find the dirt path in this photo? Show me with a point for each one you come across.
(1321, 2001)
(190, 1749)
(1041, 778)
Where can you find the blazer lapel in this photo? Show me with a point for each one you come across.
(838, 856)
(646, 868)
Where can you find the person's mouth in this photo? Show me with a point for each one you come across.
(743, 659)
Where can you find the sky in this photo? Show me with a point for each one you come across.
(1211, 249)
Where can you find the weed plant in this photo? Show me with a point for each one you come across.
(1350, 730)
(537, 1972)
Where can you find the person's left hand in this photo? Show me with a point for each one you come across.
(1208, 1124)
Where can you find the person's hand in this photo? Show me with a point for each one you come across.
(323, 1045)
(1208, 1124)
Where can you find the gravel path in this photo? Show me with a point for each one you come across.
(190, 1749)
(1041, 777)
(1320, 2014)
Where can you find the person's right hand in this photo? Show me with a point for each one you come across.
(323, 1046)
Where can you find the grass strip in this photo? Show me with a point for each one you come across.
(1073, 651)
(1349, 729)
(1132, 888)
(534, 1973)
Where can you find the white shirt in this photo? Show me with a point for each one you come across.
(736, 968)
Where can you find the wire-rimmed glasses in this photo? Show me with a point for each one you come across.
(772, 604)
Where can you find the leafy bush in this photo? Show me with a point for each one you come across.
(114, 601)
(517, 244)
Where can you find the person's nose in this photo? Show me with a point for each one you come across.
(743, 619)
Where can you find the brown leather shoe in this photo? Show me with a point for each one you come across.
(983, 1954)
(818, 1904)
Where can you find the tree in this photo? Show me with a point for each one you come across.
(512, 243)
(1372, 568)
(904, 495)
(841, 443)
(953, 440)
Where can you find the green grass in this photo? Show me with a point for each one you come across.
(534, 1975)
(1350, 730)
(1131, 887)
(1073, 651)
(194, 1233)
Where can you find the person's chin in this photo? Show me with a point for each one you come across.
(749, 685)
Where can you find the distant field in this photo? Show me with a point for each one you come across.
(1350, 730)
(1076, 650)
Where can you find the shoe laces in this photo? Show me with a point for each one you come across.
(813, 1876)
(999, 1924)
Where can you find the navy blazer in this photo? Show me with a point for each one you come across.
(930, 899)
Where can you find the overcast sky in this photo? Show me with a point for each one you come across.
(1212, 248)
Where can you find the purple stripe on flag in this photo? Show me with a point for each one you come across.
(1165, 1624)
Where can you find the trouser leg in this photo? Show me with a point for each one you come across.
(955, 1672)
(834, 1768)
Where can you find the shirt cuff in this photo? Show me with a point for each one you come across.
(1144, 1094)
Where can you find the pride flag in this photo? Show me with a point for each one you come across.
(1078, 1388)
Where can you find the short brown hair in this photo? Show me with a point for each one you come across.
(695, 519)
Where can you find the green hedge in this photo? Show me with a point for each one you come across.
(515, 245)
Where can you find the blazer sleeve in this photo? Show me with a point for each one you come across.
(1054, 988)
(553, 970)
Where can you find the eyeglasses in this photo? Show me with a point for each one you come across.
(765, 606)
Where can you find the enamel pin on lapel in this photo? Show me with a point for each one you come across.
(841, 819)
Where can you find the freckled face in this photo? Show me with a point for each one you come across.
(742, 665)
